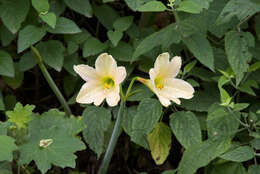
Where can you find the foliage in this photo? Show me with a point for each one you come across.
(217, 131)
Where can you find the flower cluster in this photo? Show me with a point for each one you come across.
(104, 81)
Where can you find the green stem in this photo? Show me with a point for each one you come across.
(112, 141)
(176, 16)
(130, 87)
(50, 81)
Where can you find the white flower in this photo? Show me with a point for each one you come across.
(163, 82)
(102, 82)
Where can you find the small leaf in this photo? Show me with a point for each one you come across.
(239, 154)
(92, 47)
(27, 62)
(7, 146)
(29, 36)
(82, 7)
(160, 142)
(21, 115)
(41, 6)
(186, 128)
(254, 169)
(123, 23)
(6, 64)
(114, 36)
(6, 36)
(64, 26)
(189, 67)
(152, 6)
(49, 18)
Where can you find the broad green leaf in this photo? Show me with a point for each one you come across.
(114, 36)
(93, 46)
(27, 62)
(239, 154)
(123, 23)
(6, 64)
(254, 169)
(167, 35)
(97, 120)
(83, 7)
(239, 8)
(57, 7)
(221, 122)
(236, 46)
(5, 167)
(21, 115)
(127, 118)
(140, 92)
(52, 53)
(160, 140)
(78, 38)
(29, 36)
(72, 47)
(248, 86)
(13, 13)
(193, 6)
(256, 143)
(148, 114)
(16, 81)
(152, 6)
(6, 36)
(201, 154)
(201, 49)
(186, 128)
(51, 142)
(227, 168)
(69, 62)
(64, 26)
(101, 12)
(135, 4)
(42, 6)
(7, 146)
(123, 52)
(49, 18)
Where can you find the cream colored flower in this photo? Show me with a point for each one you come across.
(163, 82)
(102, 82)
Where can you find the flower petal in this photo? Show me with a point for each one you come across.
(105, 65)
(164, 101)
(120, 74)
(174, 67)
(86, 72)
(90, 92)
(177, 88)
(113, 97)
(161, 62)
(152, 74)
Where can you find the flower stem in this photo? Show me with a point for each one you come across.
(130, 87)
(112, 141)
(50, 81)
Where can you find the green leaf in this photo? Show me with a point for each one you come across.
(6, 36)
(140, 92)
(7, 146)
(193, 6)
(82, 7)
(254, 169)
(160, 142)
(29, 36)
(220, 122)
(97, 120)
(201, 49)
(240, 106)
(93, 46)
(122, 52)
(256, 143)
(114, 36)
(69, 62)
(42, 6)
(13, 13)
(49, 18)
(186, 128)
(16, 81)
(227, 168)
(201, 154)
(101, 12)
(127, 119)
(236, 46)
(123, 23)
(2, 105)
(5, 168)
(165, 36)
(64, 26)
(27, 62)
(189, 67)
(21, 115)
(239, 154)
(60, 142)
(78, 38)
(57, 7)
(248, 86)
(6, 64)
(239, 8)
(148, 114)
(52, 53)
(152, 6)
(135, 4)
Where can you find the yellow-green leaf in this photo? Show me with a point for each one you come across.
(160, 142)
